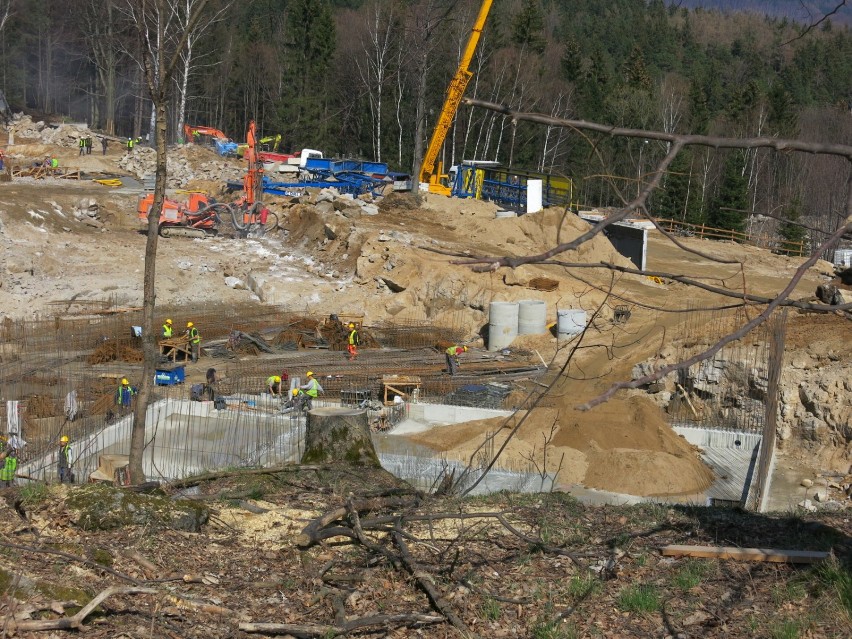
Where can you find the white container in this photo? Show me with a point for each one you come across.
(570, 322)
(532, 317)
(843, 258)
(502, 214)
(502, 324)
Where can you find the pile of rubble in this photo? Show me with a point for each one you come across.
(22, 126)
(182, 166)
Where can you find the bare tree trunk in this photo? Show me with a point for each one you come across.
(149, 336)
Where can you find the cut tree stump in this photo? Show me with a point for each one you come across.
(339, 435)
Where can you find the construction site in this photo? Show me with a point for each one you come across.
(541, 340)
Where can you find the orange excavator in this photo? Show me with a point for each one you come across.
(210, 136)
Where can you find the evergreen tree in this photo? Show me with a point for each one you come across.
(782, 112)
(790, 232)
(728, 209)
(678, 198)
(528, 27)
(308, 55)
(636, 72)
(572, 61)
(699, 117)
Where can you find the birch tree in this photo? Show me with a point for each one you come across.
(189, 57)
(379, 42)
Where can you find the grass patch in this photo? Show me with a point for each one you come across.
(546, 627)
(643, 598)
(34, 493)
(583, 585)
(690, 574)
(786, 629)
(836, 580)
(789, 591)
(490, 609)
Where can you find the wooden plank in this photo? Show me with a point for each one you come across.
(774, 555)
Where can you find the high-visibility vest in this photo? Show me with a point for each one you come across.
(167, 330)
(313, 390)
(193, 335)
(353, 338)
(7, 473)
(453, 351)
(65, 456)
(271, 380)
(124, 393)
(82, 142)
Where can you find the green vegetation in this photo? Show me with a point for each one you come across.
(786, 629)
(582, 585)
(490, 609)
(34, 493)
(690, 574)
(642, 598)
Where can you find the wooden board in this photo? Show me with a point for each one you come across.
(395, 384)
(774, 555)
(172, 347)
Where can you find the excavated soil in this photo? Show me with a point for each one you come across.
(411, 261)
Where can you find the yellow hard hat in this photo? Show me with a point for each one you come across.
(351, 325)
(465, 348)
(168, 321)
(310, 373)
(275, 378)
(63, 439)
(295, 391)
(124, 380)
(189, 324)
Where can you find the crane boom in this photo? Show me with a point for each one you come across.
(431, 170)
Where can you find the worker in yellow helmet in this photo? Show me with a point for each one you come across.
(167, 329)
(124, 395)
(273, 383)
(312, 389)
(194, 340)
(65, 461)
(354, 341)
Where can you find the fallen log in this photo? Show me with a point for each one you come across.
(307, 631)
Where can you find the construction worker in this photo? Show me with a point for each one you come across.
(104, 144)
(167, 329)
(312, 388)
(124, 395)
(10, 467)
(354, 342)
(453, 353)
(88, 145)
(54, 163)
(129, 144)
(66, 461)
(194, 340)
(15, 442)
(273, 383)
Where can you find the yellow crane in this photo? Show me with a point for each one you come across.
(432, 171)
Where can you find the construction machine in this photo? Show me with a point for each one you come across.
(432, 176)
(199, 217)
(256, 218)
(211, 137)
